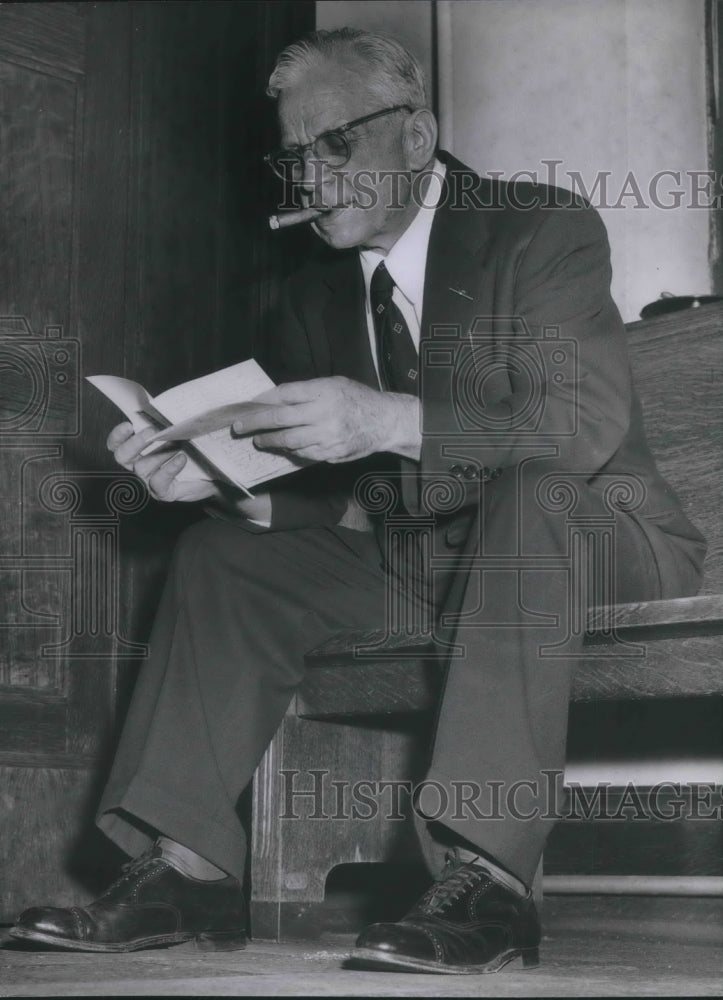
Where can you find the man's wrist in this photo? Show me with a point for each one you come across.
(404, 426)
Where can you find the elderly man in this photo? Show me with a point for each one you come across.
(461, 341)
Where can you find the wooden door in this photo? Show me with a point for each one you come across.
(131, 242)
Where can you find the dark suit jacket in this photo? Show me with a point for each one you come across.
(521, 344)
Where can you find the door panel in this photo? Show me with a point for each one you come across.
(132, 242)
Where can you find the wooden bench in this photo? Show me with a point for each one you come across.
(357, 719)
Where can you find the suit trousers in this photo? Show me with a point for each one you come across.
(240, 609)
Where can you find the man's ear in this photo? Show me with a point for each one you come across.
(420, 138)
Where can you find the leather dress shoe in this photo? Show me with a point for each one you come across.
(151, 904)
(467, 922)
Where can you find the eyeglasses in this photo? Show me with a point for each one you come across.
(332, 148)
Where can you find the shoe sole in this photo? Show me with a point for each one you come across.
(370, 958)
(204, 941)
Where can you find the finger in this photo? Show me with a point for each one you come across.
(146, 466)
(119, 434)
(288, 440)
(130, 449)
(315, 453)
(276, 416)
(295, 392)
(161, 483)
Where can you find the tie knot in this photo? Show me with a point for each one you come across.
(382, 284)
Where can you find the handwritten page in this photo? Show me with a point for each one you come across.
(236, 458)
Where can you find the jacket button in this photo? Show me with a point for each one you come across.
(470, 472)
(457, 471)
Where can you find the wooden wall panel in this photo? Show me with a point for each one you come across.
(46, 36)
(678, 367)
(133, 241)
(38, 366)
(36, 160)
(44, 832)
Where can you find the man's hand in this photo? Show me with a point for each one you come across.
(159, 470)
(335, 420)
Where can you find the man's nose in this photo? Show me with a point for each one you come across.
(315, 174)
(324, 185)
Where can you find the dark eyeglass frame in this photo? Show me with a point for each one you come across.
(296, 153)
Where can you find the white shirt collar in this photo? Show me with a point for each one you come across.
(407, 260)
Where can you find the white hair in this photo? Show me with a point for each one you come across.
(394, 75)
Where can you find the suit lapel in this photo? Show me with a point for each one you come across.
(452, 280)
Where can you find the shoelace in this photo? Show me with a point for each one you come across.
(455, 879)
(131, 868)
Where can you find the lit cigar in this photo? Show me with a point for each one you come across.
(294, 218)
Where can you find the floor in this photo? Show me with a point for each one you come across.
(593, 946)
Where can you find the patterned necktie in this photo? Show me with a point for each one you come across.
(396, 354)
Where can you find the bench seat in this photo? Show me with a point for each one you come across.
(678, 652)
